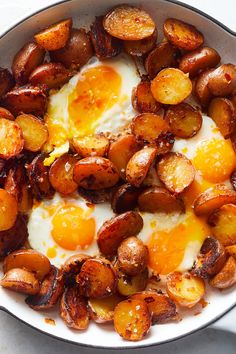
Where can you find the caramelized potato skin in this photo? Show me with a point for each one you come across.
(54, 75)
(201, 89)
(8, 210)
(72, 267)
(222, 111)
(227, 275)
(12, 142)
(125, 198)
(4, 113)
(20, 281)
(96, 196)
(6, 81)
(222, 81)
(91, 145)
(142, 46)
(143, 100)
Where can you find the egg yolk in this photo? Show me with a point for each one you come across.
(215, 160)
(194, 190)
(167, 248)
(72, 228)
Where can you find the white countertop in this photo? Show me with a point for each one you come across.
(17, 338)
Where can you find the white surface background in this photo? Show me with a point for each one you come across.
(17, 338)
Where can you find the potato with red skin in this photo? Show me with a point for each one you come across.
(223, 112)
(143, 100)
(222, 81)
(54, 75)
(21, 281)
(227, 275)
(142, 46)
(201, 89)
(125, 198)
(6, 81)
(12, 141)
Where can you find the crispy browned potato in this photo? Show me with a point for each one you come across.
(165, 142)
(102, 310)
(28, 99)
(222, 81)
(147, 127)
(6, 81)
(158, 199)
(199, 60)
(97, 278)
(14, 181)
(128, 285)
(142, 46)
(121, 151)
(113, 231)
(132, 319)
(201, 89)
(210, 259)
(139, 164)
(74, 309)
(21, 281)
(77, 51)
(176, 172)
(104, 44)
(171, 86)
(185, 121)
(91, 145)
(223, 224)
(72, 267)
(61, 174)
(95, 173)
(4, 113)
(50, 291)
(222, 111)
(182, 34)
(29, 57)
(143, 100)
(231, 250)
(227, 276)
(12, 142)
(96, 197)
(29, 259)
(26, 200)
(161, 57)
(213, 198)
(185, 289)
(8, 210)
(128, 23)
(132, 256)
(55, 36)
(54, 75)
(161, 307)
(125, 198)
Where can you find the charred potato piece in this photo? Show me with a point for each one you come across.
(223, 224)
(31, 260)
(185, 289)
(26, 201)
(185, 121)
(77, 51)
(231, 250)
(14, 181)
(29, 57)
(97, 278)
(132, 319)
(74, 309)
(34, 131)
(91, 145)
(55, 36)
(222, 111)
(143, 100)
(96, 197)
(124, 199)
(132, 256)
(128, 285)
(165, 142)
(54, 75)
(142, 46)
(128, 23)
(72, 267)
(12, 142)
(102, 310)
(227, 276)
(8, 210)
(171, 86)
(21, 281)
(222, 81)
(139, 165)
(201, 89)
(157, 199)
(61, 174)
(182, 34)
(213, 198)
(113, 231)
(210, 259)
(161, 307)
(50, 291)
(4, 113)
(6, 81)
(176, 172)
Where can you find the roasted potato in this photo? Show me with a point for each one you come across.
(142, 46)
(222, 81)
(125, 198)
(96, 196)
(102, 310)
(55, 36)
(233, 179)
(6, 81)
(158, 199)
(143, 100)
(54, 75)
(72, 267)
(227, 275)
(201, 89)
(223, 112)
(97, 278)
(199, 60)
(91, 145)
(61, 174)
(231, 250)
(15, 180)
(132, 319)
(210, 259)
(74, 309)
(12, 141)
(185, 289)
(165, 142)
(214, 198)
(185, 121)
(171, 86)
(4, 113)
(8, 210)
(34, 131)
(26, 200)
(139, 165)
(95, 173)
(29, 57)
(176, 172)
(128, 285)
(113, 231)
(21, 281)
(77, 51)
(182, 34)
(128, 23)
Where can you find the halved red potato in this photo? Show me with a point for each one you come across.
(91, 145)
(6, 81)
(142, 46)
(222, 81)
(125, 198)
(223, 112)
(102, 310)
(201, 89)
(8, 210)
(227, 275)
(143, 100)
(54, 75)
(12, 142)
(20, 281)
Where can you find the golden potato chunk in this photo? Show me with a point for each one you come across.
(91, 145)
(143, 100)
(128, 285)
(201, 89)
(8, 210)
(222, 81)
(54, 75)
(142, 46)
(102, 310)
(11, 143)
(21, 281)
(227, 276)
(222, 111)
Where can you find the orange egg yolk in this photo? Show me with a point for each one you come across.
(198, 186)
(72, 228)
